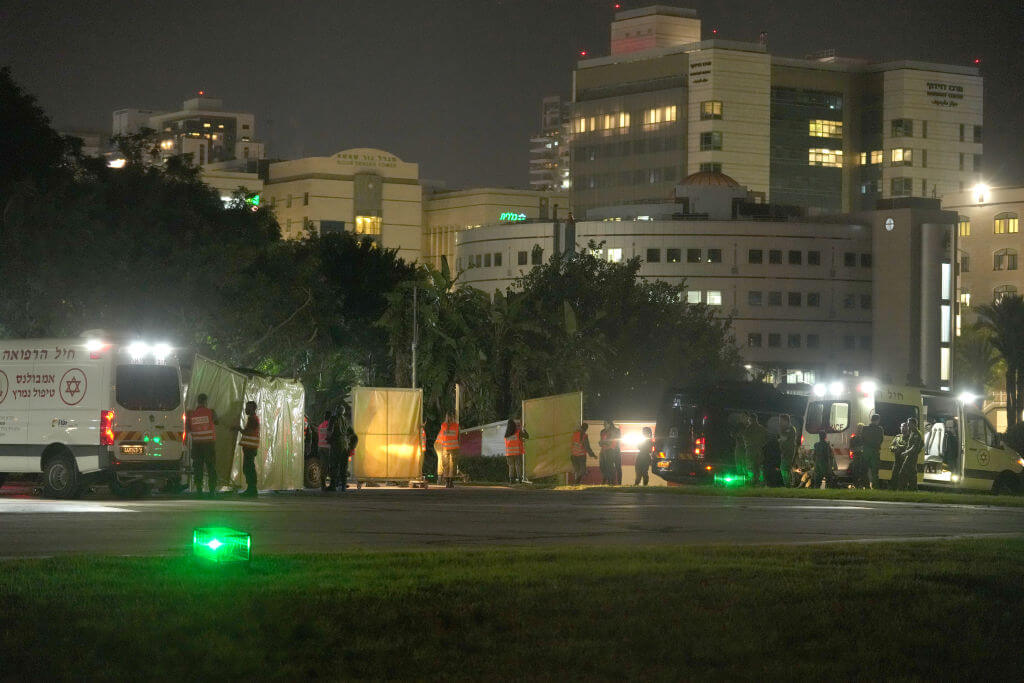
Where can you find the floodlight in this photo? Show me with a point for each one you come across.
(138, 349)
(836, 388)
(819, 389)
(868, 387)
(980, 192)
(161, 351)
(967, 397)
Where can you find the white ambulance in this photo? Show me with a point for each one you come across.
(83, 411)
(961, 449)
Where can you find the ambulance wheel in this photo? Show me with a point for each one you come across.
(1006, 485)
(314, 473)
(61, 478)
(133, 489)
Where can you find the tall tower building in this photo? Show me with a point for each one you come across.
(549, 150)
(822, 132)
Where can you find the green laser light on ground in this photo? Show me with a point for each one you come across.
(221, 545)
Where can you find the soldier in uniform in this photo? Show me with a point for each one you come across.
(754, 438)
(896, 447)
(912, 446)
(788, 444)
(822, 462)
(871, 446)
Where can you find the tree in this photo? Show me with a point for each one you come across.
(29, 148)
(1004, 319)
(977, 361)
(452, 343)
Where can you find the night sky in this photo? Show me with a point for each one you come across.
(454, 85)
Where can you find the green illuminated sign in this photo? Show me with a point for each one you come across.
(221, 545)
(253, 200)
(512, 216)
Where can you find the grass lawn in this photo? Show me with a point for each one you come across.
(830, 494)
(919, 610)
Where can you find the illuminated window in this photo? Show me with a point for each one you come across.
(1005, 259)
(710, 141)
(1003, 290)
(714, 298)
(653, 117)
(876, 156)
(615, 255)
(832, 158)
(1006, 223)
(693, 296)
(367, 225)
(964, 226)
(206, 125)
(863, 158)
(711, 109)
(822, 128)
(902, 157)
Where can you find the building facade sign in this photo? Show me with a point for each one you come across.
(945, 94)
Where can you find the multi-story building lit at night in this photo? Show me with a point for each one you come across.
(824, 132)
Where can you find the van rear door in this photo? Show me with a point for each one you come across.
(148, 423)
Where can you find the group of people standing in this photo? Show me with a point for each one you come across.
(610, 458)
(762, 458)
(201, 424)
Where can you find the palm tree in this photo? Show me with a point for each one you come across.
(1005, 320)
(977, 361)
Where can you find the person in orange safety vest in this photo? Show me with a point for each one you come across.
(323, 449)
(580, 450)
(201, 427)
(515, 449)
(249, 440)
(447, 446)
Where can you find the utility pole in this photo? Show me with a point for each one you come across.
(415, 335)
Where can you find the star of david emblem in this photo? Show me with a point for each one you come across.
(73, 386)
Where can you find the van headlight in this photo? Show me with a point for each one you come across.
(1020, 461)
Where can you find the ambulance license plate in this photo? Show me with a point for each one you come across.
(662, 464)
(133, 450)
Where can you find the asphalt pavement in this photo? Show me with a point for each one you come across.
(391, 518)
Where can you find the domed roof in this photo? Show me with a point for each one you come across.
(709, 179)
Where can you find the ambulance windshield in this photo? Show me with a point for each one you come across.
(148, 387)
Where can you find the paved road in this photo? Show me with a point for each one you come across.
(392, 518)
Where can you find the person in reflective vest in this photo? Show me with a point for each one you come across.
(323, 449)
(201, 426)
(578, 455)
(447, 446)
(249, 440)
(515, 449)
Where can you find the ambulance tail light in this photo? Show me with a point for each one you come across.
(184, 432)
(106, 427)
(698, 447)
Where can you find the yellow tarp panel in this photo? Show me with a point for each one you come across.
(225, 390)
(550, 422)
(280, 405)
(387, 422)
